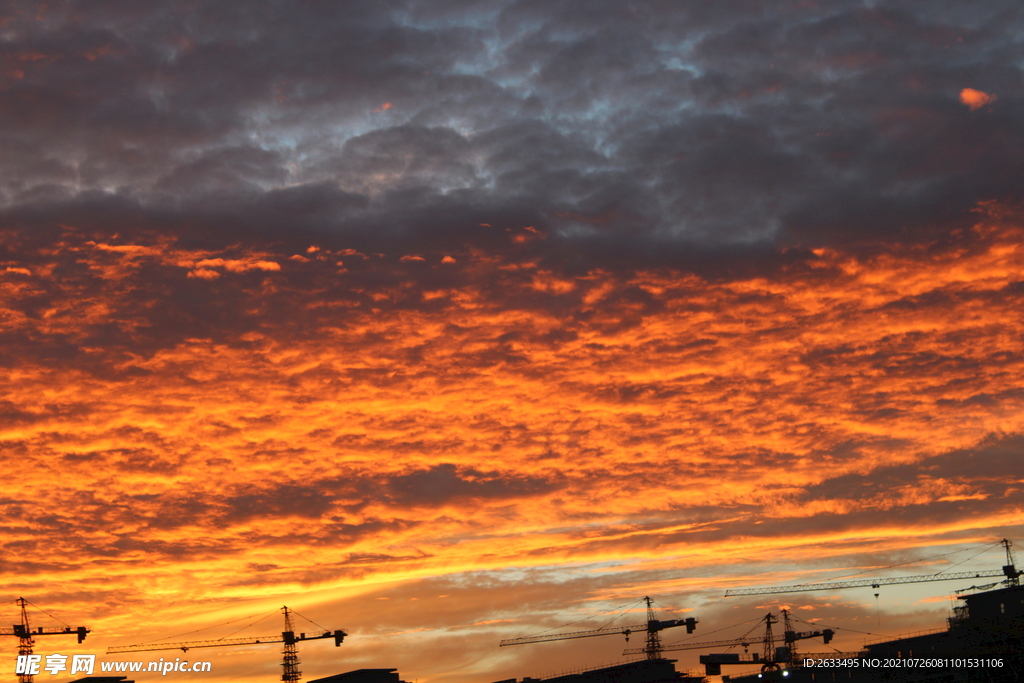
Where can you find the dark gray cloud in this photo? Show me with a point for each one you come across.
(989, 470)
(444, 483)
(627, 128)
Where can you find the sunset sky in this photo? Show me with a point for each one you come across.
(444, 322)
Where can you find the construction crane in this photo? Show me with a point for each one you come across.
(770, 657)
(653, 627)
(790, 637)
(290, 653)
(1009, 572)
(26, 636)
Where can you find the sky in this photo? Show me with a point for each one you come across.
(447, 322)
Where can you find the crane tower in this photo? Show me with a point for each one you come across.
(26, 636)
(652, 628)
(289, 653)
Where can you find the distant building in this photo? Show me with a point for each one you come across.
(641, 671)
(363, 676)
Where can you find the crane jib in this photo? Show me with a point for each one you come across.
(651, 626)
(868, 583)
(285, 637)
(1009, 571)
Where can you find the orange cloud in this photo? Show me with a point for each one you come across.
(590, 435)
(976, 99)
(204, 274)
(239, 266)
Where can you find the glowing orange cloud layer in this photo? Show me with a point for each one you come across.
(193, 428)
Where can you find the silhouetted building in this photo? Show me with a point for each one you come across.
(641, 671)
(363, 676)
(103, 679)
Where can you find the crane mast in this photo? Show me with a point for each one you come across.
(290, 653)
(653, 639)
(25, 641)
(769, 641)
(786, 634)
(1010, 568)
